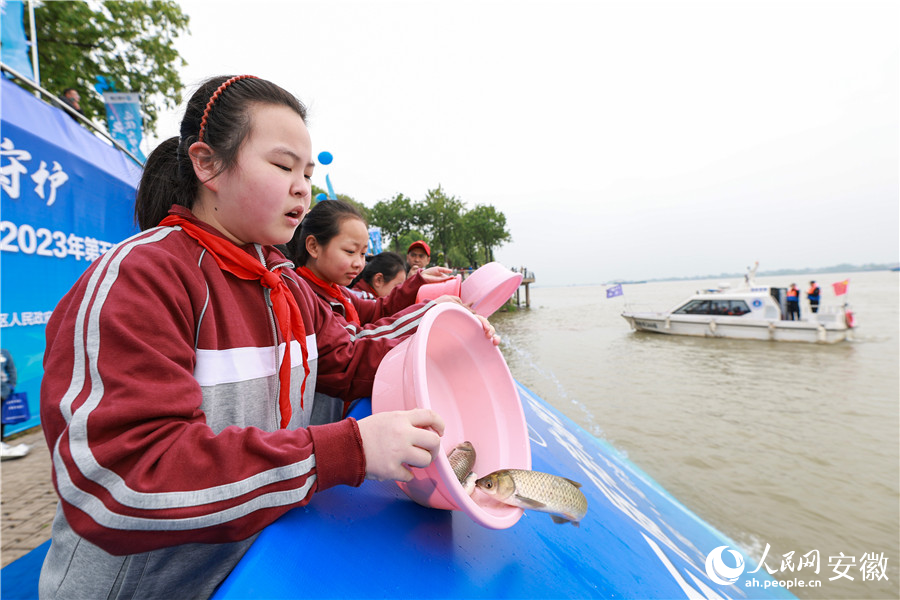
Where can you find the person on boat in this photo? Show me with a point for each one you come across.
(793, 303)
(813, 295)
(382, 273)
(418, 255)
(180, 369)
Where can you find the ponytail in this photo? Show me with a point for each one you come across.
(168, 179)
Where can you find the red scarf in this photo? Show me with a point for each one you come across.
(333, 290)
(232, 259)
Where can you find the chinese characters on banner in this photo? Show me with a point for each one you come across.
(66, 198)
(124, 120)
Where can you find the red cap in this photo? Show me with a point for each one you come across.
(421, 244)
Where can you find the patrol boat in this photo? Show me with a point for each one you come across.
(749, 312)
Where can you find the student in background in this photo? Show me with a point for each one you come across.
(329, 250)
(382, 273)
(179, 370)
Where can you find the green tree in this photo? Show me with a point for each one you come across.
(440, 215)
(131, 43)
(363, 210)
(397, 219)
(487, 226)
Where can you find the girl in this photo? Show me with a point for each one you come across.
(382, 273)
(329, 250)
(180, 368)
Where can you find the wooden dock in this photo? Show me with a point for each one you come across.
(527, 280)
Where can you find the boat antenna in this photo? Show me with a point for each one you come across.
(751, 273)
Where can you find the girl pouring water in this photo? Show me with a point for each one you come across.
(180, 369)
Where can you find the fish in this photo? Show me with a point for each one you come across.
(534, 490)
(462, 459)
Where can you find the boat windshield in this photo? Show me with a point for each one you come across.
(714, 307)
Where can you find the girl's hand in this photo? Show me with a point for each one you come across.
(394, 440)
(436, 274)
(489, 332)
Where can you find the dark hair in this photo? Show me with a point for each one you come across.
(323, 222)
(386, 263)
(169, 177)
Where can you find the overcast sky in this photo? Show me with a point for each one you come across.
(622, 140)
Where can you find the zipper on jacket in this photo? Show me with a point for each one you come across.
(267, 293)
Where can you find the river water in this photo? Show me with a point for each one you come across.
(795, 446)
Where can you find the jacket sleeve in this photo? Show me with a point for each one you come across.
(135, 464)
(347, 362)
(401, 297)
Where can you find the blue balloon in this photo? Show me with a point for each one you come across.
(325, 158)
(322, 196)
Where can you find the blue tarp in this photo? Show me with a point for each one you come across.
(636, 540)
(66, 196)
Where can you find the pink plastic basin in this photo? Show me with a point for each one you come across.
(451, 368)
(431, 291)
(489, 287)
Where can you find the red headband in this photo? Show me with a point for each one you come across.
(213, 99)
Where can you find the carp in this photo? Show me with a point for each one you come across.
(534, 490)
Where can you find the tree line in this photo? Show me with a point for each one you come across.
(458, 236)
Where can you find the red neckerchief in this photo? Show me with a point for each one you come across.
(232, 259)
(363, 286)
(333, 290)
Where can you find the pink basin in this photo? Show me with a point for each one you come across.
(489, 287)
(451, 368)
(431, 291)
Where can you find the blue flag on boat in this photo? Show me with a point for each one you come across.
(616, 290)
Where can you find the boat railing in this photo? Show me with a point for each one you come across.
(642, 308)
(826, 315)
(50, 98)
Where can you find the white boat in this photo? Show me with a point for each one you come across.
(750, 312)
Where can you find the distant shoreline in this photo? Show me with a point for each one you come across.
(773, 273)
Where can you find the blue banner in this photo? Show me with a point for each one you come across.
(13, 43)
(66, 197)
(375, 240)
(124, 120)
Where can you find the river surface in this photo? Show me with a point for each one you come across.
(791, 445)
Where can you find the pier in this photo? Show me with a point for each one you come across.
(527, 280)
